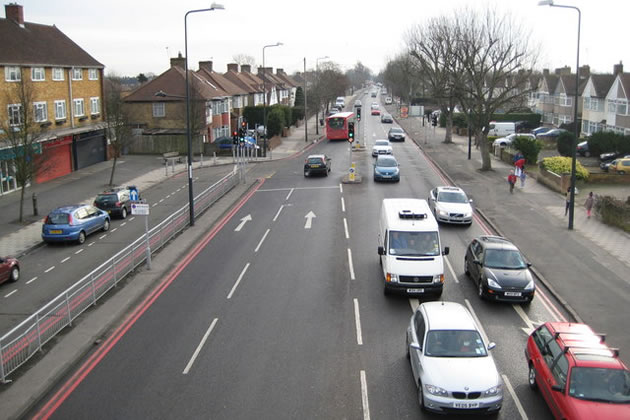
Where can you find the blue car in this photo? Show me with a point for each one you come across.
(74, 223)
(386, 168)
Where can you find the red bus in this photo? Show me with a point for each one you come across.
(337, 125)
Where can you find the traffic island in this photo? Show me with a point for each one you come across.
(357, 179)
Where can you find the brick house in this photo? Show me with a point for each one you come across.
(248, 81)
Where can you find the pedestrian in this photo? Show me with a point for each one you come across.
(523, 177)
(511, 180)
(567, 201)
(589, 204)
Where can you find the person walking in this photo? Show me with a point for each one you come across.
(511, 180)
(589, 204)
(523, 177)
(567, 201)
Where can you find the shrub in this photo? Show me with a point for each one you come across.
(254, 115)
(613, 211)
(565, 143)
(562, 165)
(608, 141)
(275, 121)
(529, 148)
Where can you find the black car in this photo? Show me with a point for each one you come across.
(116, 202)
(499, 270)
(396, 134)
(316, 164)
(582, 149)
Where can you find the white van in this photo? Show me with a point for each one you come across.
(501, 129)
(340, 102)
(409, 248)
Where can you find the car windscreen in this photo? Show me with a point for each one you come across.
(600, 384)
(452, 197)
(414, 244)
(106, 198)
(386, 162)
(507, 259)
(454, 343)
(58, 219)
(396, 131)
(381, 143)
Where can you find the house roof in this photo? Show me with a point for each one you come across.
(551, 80)
(602, 84)
(40, 45)
(288, 80)
(270, 78)
(568, 82)
(625, 82)
(223, 82)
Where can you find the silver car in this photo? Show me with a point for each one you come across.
(450, 362)
(451, 205)
(382, 147)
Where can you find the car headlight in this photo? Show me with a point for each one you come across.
(493, 284)
(436, 390)
(530, 285)
(495, 390)
(442, 213)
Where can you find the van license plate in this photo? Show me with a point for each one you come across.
(415, 290)
(515, 294)
(466, 405)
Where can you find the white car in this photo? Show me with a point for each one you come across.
(382, 147)
(507, 140)
(450, 362)
(451, 205)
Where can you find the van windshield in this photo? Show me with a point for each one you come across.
(414, 244)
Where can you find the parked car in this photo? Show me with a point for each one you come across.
(450, 361)
(620, 166)
(116, 202)
(450, 205)
(224, 143)
(358, 104)
(9, 269)
(540, 130)
(373, 94)
(396, 134)
(382, 147)
(74, 223)
(499, 270)
(386, 168)
(578, 375)
(582, 149)
(509, 139)
(316, 164)
(387, 118)
(604, 166)
(607, 161)
(551, 134)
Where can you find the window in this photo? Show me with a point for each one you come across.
(60, 110)
(77, 74)
(95, 105)
(79, 108)
(612, 106)
(622, 107)
(216, 108)
(12, 74)
(159, 109)
(40, 109)
(559, 370)
(57, 73)
(93, 74)
(245, 101)
(38, 74)
(238, 102)
(15, 114)
(420, 328)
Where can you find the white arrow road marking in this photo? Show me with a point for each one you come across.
(531, 325)
(309, 219)
(244, 220)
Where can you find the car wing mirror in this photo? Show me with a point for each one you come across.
(529, 264)
(557, 388)
(476, 261)
(446, 250)
(381, 250)
(491, 345)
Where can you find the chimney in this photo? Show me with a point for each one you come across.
(233, 67)
(178, 61)
(265, 70)
(206, 65)
(618, 68)
(246, 68)
(279, 71)
(585, 71)
(15, 12)
(545, 72)
(563, 71)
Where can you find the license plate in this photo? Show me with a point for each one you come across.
(55, 231)
(415, 290)
(386, 176)
(314, 166)
(109, 212)
(466, 404)
(515, 294)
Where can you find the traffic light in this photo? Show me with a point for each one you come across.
(235, 137)
(350, 132)
(244, 125)
(241, 135)
(359, 114)
(434, 120)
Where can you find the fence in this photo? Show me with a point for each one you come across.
(23, 341)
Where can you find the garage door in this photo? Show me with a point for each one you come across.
(56, 160)
(89, 148)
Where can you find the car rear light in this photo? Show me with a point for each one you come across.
(70, 221)
(118, 204)
(47, 220)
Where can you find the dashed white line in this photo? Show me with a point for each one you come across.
(414, 303)
(357, 319)
(278, 213)
(343, 205)
(123, 224)
(64, 260)
(113, 230)
(341, 188)
(168, 196)
(350, 265)
(49, 269)
(9, 294)
(514, 397)
(364, 397)
(132, 218)
(450, 267)
(238, 281)
(262, 240)
(345, 227)
(31, 280)
(79, 251)
(160, 200)
(102, 236)
(154, 204)
(91, 243)
(472, 312)
(200, 346)
(289, 195)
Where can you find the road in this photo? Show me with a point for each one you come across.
(283, 316)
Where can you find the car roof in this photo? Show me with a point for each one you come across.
(448, 316)
(496, 242)
(384, 140)
(385, 157)
(68, 208)
(449, 188)
(316, 156)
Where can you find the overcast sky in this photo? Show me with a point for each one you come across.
(138, 36)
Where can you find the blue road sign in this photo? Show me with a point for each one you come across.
(133, 194)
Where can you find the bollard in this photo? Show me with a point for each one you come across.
(166, 167)
(35, 212)
(201, 160)
(214, 158)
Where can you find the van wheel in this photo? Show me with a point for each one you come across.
(621, 172)
(386, 291)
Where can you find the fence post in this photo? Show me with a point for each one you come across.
(68, 307)
(2, 377)
(93, 290)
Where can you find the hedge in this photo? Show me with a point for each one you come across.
(529, 148)
(613, 211)
(562, 165)
(565, 143)
(608, 141)
(530, 120)
(275, 121)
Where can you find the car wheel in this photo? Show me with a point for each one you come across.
(305, 174)
(621, 172)
(326, 173)
(123, 213)
(106, 225)
(531, 377)
(480, 290)
(15, 274)
(81, 239)
(466, 270)
(420, 395)
(407, 348)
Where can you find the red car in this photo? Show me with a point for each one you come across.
(376, 111)
(579, 376)
(9, 269)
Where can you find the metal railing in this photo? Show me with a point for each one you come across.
(23, 341)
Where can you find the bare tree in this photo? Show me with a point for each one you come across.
(117, 121)
(358, 75)
(244, 59)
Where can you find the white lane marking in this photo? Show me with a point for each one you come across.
(123, 224)
(244, 220)
(414, 303)
(472, 312)
(343, 205)
(345, 227)
(309, 219)
(531, 325)
(357, 319)
(64, 260)
(341, 188)
(238, 281)
(364, 397)
(551, 307)
(350, 264)
(450, 267)
(160, 200)
(519, 406)
(91, 243)
(48, 270)
(113, 230)
(31, 280)
(154, 204)
(262, 240)
(130, 219)
(289, 195)
(203, 341)
(78, 252)
(102, 236)
(278, 213)
(555, 317)
(9, 294)
(296, 188)
(168, 196)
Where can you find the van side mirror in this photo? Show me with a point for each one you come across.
(381, 250)
(446, 250)
(415, 346)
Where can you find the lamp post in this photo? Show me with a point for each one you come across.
(317, 110)
(277, 44)
(575, 111)
(213, 6)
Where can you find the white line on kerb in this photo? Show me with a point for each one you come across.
(31, 280)
(343, 205)
(49, 269)
(364, 397)
(350, 264)
(203, 341)
(64, 260)
(357, 319)
(262, 240)
(7, 295)
(345, 227)
(450, 267)
(278, 213)
(238, 281)
(289, 195)
(516, 400)
(79, 251)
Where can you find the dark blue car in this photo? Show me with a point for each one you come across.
(74, 223)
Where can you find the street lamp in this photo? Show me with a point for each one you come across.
(575, 111)
(317, 110)
(213, 6)
(277, 44)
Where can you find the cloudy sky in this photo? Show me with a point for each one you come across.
(139, 36)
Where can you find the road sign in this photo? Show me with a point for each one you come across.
(352, 170)
(133, 194)
(140, 209)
